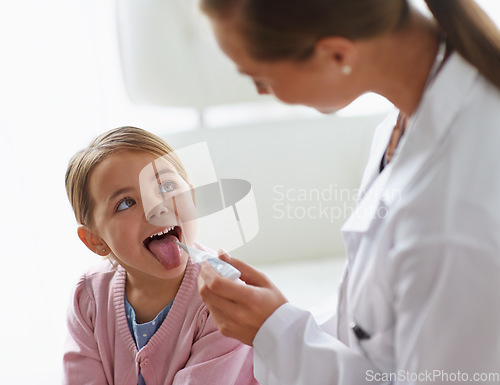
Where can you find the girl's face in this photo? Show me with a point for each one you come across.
(121, 202)
(317, 82)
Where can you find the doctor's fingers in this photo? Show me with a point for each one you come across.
(258, 292)
(224, 311)
(241, 320)
(232, 321)
(249, 275)
(239, 310)
(213, 287)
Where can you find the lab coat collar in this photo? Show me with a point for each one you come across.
(440, 104)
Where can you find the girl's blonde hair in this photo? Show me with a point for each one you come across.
(119, 139)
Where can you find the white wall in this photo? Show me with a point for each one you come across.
(60, 85)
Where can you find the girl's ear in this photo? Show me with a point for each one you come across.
(93, 241)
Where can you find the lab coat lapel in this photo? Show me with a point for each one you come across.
(372, 185)
(432, 121)
(367, 208)
(440, 105)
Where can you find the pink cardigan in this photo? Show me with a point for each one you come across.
(186, 349)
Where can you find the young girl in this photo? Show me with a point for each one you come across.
(139, 319)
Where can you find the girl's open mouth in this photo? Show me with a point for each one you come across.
(163, 248)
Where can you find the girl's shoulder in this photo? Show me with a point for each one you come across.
(103, 274)
(99, 280)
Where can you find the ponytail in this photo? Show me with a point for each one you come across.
(472, 33)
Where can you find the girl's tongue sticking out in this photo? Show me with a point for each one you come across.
(165, 249)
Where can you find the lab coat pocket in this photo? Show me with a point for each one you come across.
(378, 346)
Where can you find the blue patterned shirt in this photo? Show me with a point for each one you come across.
(143, 332)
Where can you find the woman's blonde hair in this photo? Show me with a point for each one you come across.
(289, 29)
(119, 139)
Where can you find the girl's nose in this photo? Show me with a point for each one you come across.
(158, 215)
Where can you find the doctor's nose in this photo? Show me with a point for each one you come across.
(158, 215)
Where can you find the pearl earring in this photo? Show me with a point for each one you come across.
(346, 70)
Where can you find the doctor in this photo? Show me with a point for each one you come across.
(419, 298)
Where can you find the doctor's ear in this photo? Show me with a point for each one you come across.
(93, 241)
(341, 51)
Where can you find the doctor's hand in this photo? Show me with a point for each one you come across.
(239, 310)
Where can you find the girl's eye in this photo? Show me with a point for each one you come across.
(167, 187)
(125, 204)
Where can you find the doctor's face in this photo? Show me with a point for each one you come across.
(313, 82)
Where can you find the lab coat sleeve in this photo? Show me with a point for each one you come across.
(290, 348)
(442, 293)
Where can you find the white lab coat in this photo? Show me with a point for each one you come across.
(422, 277)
